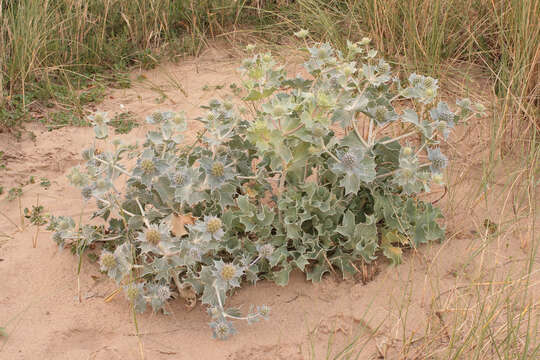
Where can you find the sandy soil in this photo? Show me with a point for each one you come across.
(38, 286)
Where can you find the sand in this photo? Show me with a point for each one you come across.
(44, 319)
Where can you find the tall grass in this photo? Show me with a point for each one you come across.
(499, 37)
(59, 41)
(40, 39)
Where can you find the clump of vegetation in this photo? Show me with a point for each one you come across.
(124, 122)
(272, 187)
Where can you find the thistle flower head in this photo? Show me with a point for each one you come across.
(383, 67)
(279, 110)
(228, 273)
(443, 113)
(132, 293)
(429, 82)
(178, 119)
(153, 236)
(57, 237)
(264, 311)
(438, 160)
(179, 178)
(365, 41)
(438, 178)
(86, 192)
(415, 80)
(348, 159)
(407, 150)
(147, 166)
(107, 261)
(99, 118)
(380, 112)
(222, 329)
(348, 69)
(157, 117)
(163, 292)
(213, 225)
(218, 169)
(464, 103)
(265, 251)
(77, 178)
(302, 33)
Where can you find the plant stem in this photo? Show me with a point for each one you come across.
(328, 151)
(399, 137)
(223, 313)
(370, 134)
(197, 140)
(34, 240)
(114, 166)
(79, 266)
(142, 213)
(290, 132)
(353, 122)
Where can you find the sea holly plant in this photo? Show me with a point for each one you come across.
(318, 173)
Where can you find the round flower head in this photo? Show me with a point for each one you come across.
(222, 329)
(302, 33)
(163, 292)
(348, 69)
(383, 67)
(438, 160)
(324, 52)
(265, 251)
(107, 261)
(365, 41)
(218, 169)
(407, 151)
(357, 166)
(178, 119)
(147, 166)
(157, 117)
(464, 103)
(132, 292)
(178, 178)
(99, 118)
(382, 115)
(264, 311)
(77, 178)
(102, 186)
(209, 229)
(136, 295)
(65, 223)
(443, 118)
(437, 178)
(217, 172)
(86, 192)
(348, 159)
(213, 225)
(152, 236)
(429, 82)
(228, 273)
(421, 87)
(57, 237)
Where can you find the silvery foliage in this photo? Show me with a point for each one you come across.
(269, 189)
